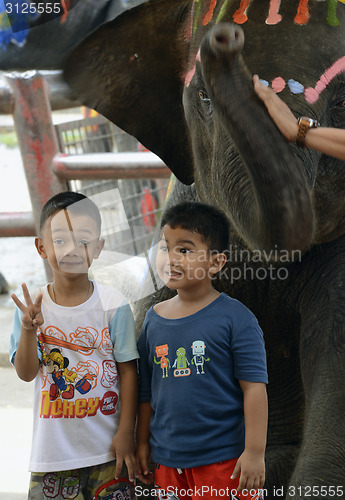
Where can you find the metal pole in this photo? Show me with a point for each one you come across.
(130, 165)
(16, 224)
(36, 137)
(60, 95)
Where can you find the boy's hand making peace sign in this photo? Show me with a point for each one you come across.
(32, 313)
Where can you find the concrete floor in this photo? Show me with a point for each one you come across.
(15, 434)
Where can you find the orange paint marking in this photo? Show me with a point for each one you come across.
(210, 12)
(302, 16)
(240, 16)
(65, 5)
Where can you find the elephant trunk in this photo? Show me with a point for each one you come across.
(266, 192)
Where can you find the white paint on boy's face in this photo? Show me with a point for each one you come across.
(183, 258)
(71, 242)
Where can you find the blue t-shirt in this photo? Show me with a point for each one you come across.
(189, 370)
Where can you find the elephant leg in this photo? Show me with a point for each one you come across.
(320, 469)
(280, 463)
(321, 462)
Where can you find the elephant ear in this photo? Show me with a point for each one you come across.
(132, 69)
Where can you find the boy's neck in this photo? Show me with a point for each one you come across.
(186, 303)
(70, 292)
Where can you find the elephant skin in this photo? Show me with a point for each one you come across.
(177, 74)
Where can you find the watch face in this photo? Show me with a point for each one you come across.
(308, 122)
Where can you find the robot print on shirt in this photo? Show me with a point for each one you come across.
(181, 364)
(198, 351)
(162, 352)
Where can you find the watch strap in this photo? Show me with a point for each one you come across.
(304, 124)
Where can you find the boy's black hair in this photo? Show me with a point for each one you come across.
(206, 220)
(75, 202)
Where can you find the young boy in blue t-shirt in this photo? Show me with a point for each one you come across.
(202, 369)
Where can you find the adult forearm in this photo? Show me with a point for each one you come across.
(330, 141)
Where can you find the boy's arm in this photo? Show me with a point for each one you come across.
(251, 463)
(143, 445)
(123, 445)
(26, 360)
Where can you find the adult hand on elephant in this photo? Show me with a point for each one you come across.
(278, 110)
(327, 140)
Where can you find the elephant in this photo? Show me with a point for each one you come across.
(38, 35)
(177, 74)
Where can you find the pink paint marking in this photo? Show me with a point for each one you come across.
(312, 94)
(189, 76)
(190, 73)
(278, 84)
(240, 16)
(188, 28)
(273, 16)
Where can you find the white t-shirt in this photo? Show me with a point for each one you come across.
(76, 395)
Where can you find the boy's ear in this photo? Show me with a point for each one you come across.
(218, 261)
(40, 247)
(99, 248)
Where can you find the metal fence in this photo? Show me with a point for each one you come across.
(92, 156)
(130, 208)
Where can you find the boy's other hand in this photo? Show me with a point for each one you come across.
(251, 466)
(32, 312)
(123, 449)
(143, 454)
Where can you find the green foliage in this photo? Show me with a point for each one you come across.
(9, 139)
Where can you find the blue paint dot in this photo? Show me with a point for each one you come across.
(295, 87)
(264, 82)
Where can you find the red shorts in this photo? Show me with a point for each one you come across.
(198, 483)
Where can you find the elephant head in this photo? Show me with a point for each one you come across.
(177, 75)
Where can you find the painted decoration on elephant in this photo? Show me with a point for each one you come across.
(216, 11)
(311, 94)
(273, 16)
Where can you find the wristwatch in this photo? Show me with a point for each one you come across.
(304, 124)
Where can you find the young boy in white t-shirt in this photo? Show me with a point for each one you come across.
(77, 340)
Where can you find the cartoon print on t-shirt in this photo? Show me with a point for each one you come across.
(162, 352)
(64, 379)
(54, 336)
(198, 350)
(181, 363)
(109, 374)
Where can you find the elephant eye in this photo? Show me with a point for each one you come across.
(203, 96)
(340, 103)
